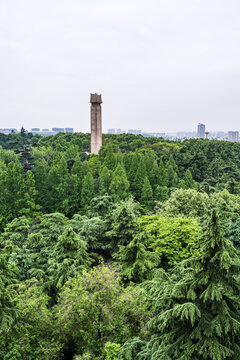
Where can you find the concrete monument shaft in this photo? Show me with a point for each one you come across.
(96, 123)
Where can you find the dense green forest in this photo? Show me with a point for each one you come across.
(132, 254)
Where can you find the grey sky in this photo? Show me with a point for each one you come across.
(160, 65)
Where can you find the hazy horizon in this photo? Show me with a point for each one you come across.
(160, 66)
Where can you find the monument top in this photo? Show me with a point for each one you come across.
(95, 98)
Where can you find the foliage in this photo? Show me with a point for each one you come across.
(119, 185)
(147, 193)
(32, 336)
(98, 298)
(124, 225)
(8, 275)
(198, 308)
(173, 238)
(136, 259)
(111, 350)
(75, 210)
(69, 257)
(185, 203)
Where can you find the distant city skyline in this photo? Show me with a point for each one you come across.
(161, 66)
(179, 135)
(200, 132)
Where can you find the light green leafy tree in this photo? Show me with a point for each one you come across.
(173, 239)
(97, 309)
(188, 203)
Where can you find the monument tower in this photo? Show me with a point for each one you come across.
(96, 123)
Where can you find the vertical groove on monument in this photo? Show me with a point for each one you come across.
(96, 123)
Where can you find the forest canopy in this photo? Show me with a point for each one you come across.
(130, 254)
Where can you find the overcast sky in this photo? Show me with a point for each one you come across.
(160, 65)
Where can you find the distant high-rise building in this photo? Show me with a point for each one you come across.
(58, 130)
(45, 130)
(233, 136)
(201, 131)
(69, 130)
(186, 134)
(134, 131)
(119, 131)
(111, 131)
(35, 129)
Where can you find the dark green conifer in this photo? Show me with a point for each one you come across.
(110, 158)
(139, 176)
(163, 175)
(161, 193)
(124, 226)
(172, 176)
(147, 193)
(136, 260)
(188, 179)
(87, 192)
(69, 257)
(105, 178)
(119, 185)
(154, 175)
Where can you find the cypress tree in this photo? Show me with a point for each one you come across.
(154, 175)
(161, 193)
(105, 178)
(147, 193)
(29, 206)
(77, 167)
(139, 177)
(87, 192)
(163, 175)
(110, 158)
(41, 176)
(150, 161)
(13, 190)
(76, 181)
(132, 169)
(119, 185)
(172, 175)
(188, 179)
(59, 190)
(171, 162)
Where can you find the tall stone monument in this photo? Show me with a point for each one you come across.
(96, 123)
